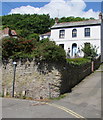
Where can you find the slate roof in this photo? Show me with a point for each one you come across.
(9, 32)
(46, 34)
(13, 32)
(75, 24)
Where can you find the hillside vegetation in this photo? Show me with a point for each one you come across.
(28, 24)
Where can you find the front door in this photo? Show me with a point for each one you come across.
(74, 49)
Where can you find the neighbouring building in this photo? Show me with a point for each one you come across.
(72, 36)
(46, 35)
(7, 32)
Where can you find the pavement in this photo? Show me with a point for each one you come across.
(83, 102)
(85, 98)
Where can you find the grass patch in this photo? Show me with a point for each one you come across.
(60, 97)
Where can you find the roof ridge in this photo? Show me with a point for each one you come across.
(79, 21)
(46, 33)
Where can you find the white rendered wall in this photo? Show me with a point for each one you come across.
(94, 39)
(44, 37)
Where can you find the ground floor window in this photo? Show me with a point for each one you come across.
(61, 45)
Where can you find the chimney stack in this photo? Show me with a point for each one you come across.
(56, 20)
(100, 16)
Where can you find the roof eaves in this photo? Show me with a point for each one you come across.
(79, 23)
(48, 33)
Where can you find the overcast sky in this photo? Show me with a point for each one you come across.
(56, 8)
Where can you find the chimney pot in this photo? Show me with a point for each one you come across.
(56, 20)
(100, 15)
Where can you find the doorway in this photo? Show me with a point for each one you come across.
(74, 49)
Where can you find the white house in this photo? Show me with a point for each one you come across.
(72, 36)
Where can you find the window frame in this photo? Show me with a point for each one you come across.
(74, 33)
(61, 34)
(87, 32)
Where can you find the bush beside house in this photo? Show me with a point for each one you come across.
(43, 50)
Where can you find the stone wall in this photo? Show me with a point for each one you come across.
(35, 79)
(44, 80)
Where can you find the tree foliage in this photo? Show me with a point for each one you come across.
(49, 51)
(28, 24)
(43, 50)
(71, 19)
(13, 47)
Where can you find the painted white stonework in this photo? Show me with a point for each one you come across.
(44, 37)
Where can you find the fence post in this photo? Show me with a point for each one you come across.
(92, 66)
(5, 92)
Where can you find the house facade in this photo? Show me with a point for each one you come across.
(72, 36)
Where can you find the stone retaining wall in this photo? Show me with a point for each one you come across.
(44, 80)
(33, 80)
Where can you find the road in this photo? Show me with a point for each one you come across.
(83, 102)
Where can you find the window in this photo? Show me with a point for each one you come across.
(74, 33)
(61, 45)
(62, 34)
(87, 32)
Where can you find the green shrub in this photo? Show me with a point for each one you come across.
(89, 50)
(78, 61)
(43, 50)
(33, 36)
(49, 51)
(1, 95)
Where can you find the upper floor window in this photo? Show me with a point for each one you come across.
(87, 32)
(62, 34)
(74, 33)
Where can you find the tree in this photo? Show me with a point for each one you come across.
(33, 36)
(90, 51)
(49, 51)
(71, 19)
(15, 48)
(28, 24)
(9, 46)
(43, 50)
